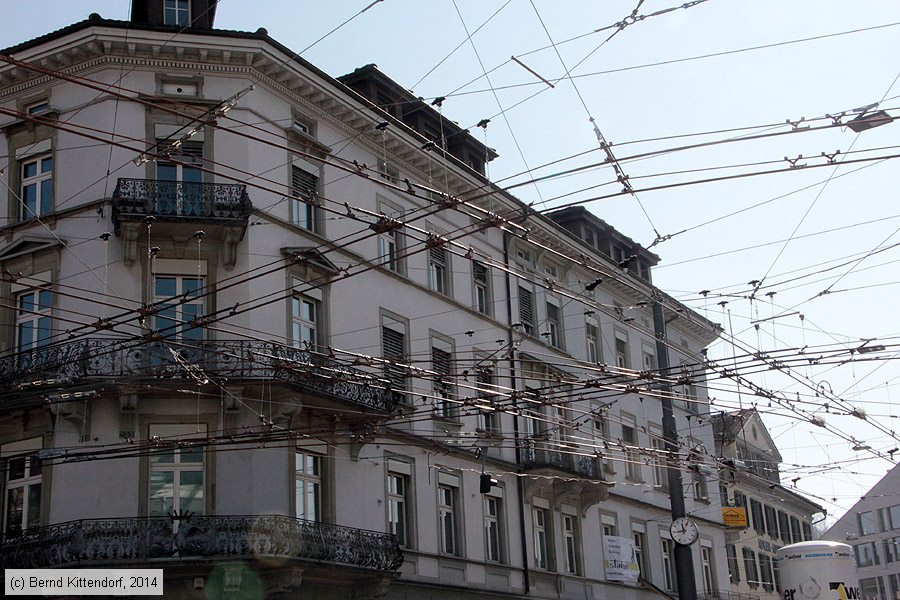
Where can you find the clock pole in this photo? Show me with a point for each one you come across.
(684, 560)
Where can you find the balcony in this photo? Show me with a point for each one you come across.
(176, 200)
(573, 475)
(149, 540)
(586, 466)
(97, 359)
(223, 207)
(726, 595)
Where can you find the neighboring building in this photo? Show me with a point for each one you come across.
(749, 478)
(264, 341)
(872, 527)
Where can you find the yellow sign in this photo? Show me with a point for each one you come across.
(733, 516)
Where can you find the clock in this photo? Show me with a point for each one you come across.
(684, 531)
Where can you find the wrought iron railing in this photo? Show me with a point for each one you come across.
(119, 541)
(587, 466)
(184, 200)
(92, 358)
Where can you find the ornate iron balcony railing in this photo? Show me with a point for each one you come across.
(138, 198)
(586, 466)
(99, 358)
(147, 539)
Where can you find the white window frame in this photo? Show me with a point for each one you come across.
(706, 567)
(305, 201)
(308, 484)
(398, 502)
(623, 360)
(481, 288)
(555, 329)
(540, 516)
(494, 546)
(633, 470)
(183, 307)
(180, 10)
(42, 182)
(448, 514)
(31, 480)
(36, 315)
(639, 539)
(390, 242)
(658, 463)
(667, 547)
(169, 434)
(306, 325)
(570, 542)
(439, 270)
(592, 337)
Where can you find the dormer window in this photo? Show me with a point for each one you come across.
(177, 12)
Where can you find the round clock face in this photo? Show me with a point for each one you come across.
(684, 531)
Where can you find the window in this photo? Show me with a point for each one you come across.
(771, 521)
(179, 304)
(668, 560)
(807, 531)
(308, 486)
(734, 572)
(398, 507)
(180, 184)
(640, 553)
(608, 524)
(758, 522)
(554, 332)
(765, 571)
(706, 563)
(305, 194)
(177, 471)
(33, 319)
(867, 524)
(441, 364)
(36, 108)
(393, 350)
(390, 236)
(481, 288)
(541, 530)
(892, 549)
(526, 310)
(795, 530)
(447, 501)
(622, 351)
(601, 434)
(439, 270)
(698, 483)
(592, 335)
(36, 193)
(784, 527)
(866, 554)
(750, 567)
(649, 359)
(570, 539)
(177, 12)
(493, 539)
(490, 419)
(658, 462)
(632, 455)
(23, 494)
(305, 321)
(891, 518)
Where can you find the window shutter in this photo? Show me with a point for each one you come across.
(440, 361)
(392, 342)
(526, 308)
(438, 256)
(479, 273)
(304, 184)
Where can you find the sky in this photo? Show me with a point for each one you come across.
(819, 235)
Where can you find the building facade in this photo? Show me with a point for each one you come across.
(872, 527)
(271, 331)
(750, 479)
